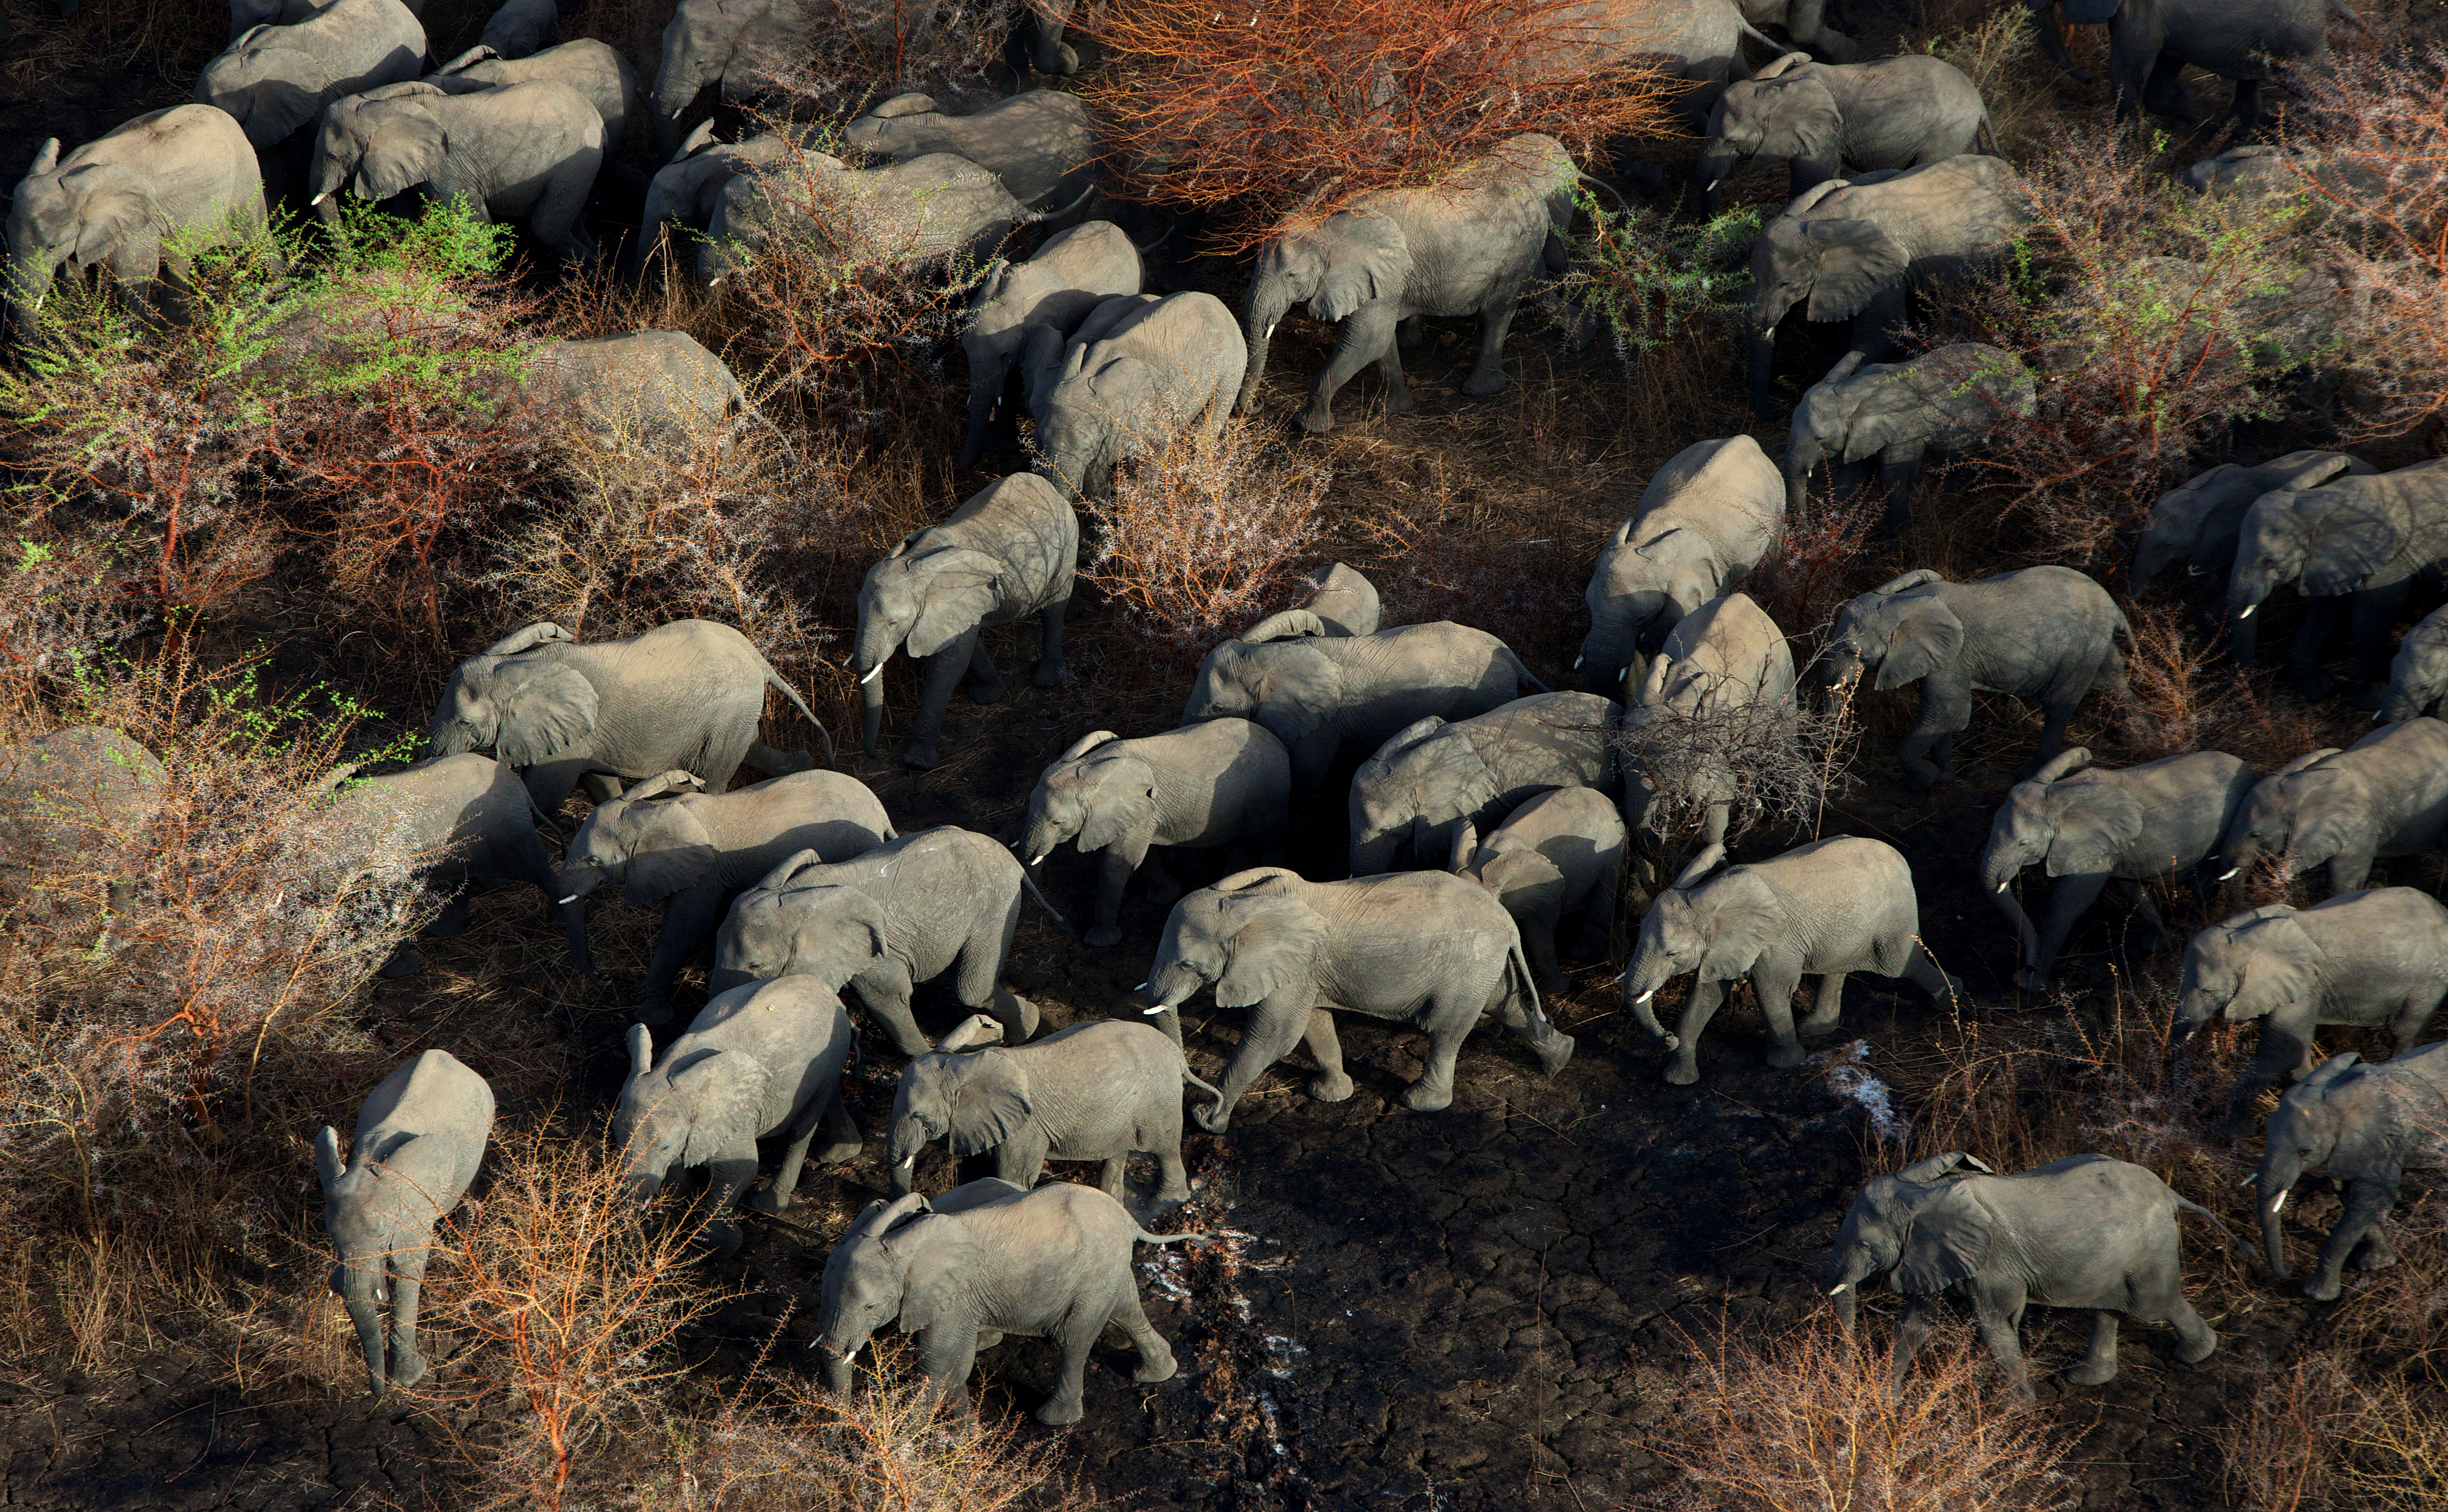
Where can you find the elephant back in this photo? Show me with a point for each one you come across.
(1727, 491)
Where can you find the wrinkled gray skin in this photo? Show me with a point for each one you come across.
(2150, 41)
(530, 152)
(114, 201)
(1411, 799)
(64, 798)
(2150, 823)
(2360, 538)
(2197, 521)
(1826, 117)
(420, 1137)
(2258, 177)
(1096, 1091)
(903, 913)
(1558, 853)
(521, 27)
(959, 1272)
(2084, 1232)
(2364, 959)
(668, 841)
(1696, 42)
(686, 191)
(1052, 292)
(1344, 601)
(1045, 348)
(1394, 255)
(1200, 787)
(1426, 948)
(1806, 22)
(1724, 673)
(1161, 371)
(2417, 676)
(2365, 1126)
(1852, 250)
(1944, 402)
(1009, 553)
(593, 68)
(2385, 795)
(656, 390)
(1704, 521)
(1042, 144)
(2043, 633)
(248, 14)
(685, 695)
(761, 1060)
(1317, 693)
(938, 206)
(1823, 909)
(278, 79)
(716, 44)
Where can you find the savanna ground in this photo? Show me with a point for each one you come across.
(1537, 1299)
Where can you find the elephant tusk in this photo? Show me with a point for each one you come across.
(319, 199)
(1711, 188)
(1142, 986)
(908, 1163)
(1623, 672)
(871, 673)
(2249, 1181)
(1839, 1287)
(2278, 1201)
(1039, 858)
(2229, 876)
(2247, 611)
(1576, 662)
(1644, 997)
(2376, 713)
(1149, 1013)
(2001, 887)
(572, 898)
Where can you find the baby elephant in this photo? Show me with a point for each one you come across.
(961, 1270)
(420, 1139)
(2045, 633)
(2197, 521)
(2385, 796)
(1823, 909)
(2084, 1232)
(2364, 959)
(1561, 852)
(2366, 1125)
(2417, 676)
(1053, 291)
(761, 1059)
(1198, 787)
(1094, 1091)
(1824, 119)
(1433, 778)
(1944, 402)
(2147, 824)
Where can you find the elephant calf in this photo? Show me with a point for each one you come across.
(1050, 296)
(657, 391)
(961, 1270)
(1561, 852)
(2045, 633)
(1721, 688)
(2385, 796)
(420, 1137)
(2197, 521)
(595, 69)
(1041, 144)
(687, 190)
(1164, 370)
(2362, 538)
(2366, 1125)
(669, 841)
(1094, 1091)
(1200, 787)
(1823, 117)
(277, 79)
(2146, 824)
(2362, 959)
(1706, 519)
(763, 1058)
(531, 151)
(2084, 1232)
(2418, 674)
(1944, 403)
(1432, 778)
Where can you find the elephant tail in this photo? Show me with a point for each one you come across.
(1985, 136)
(1193, 1236)
(1766, 41)
(535, 811)
(1189, 1078)
(792, 693)
(2231, 1238)
(1034, 216)
(1522, 669)
(1051, 911)
(1612, 193)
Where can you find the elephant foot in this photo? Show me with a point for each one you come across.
(407, 1367)
(1421, 1098)
(1060, 1412)
(1783, 1057)
(2372, 1257)
(723, 1236)
(988, 1338)
(984, 692)
(1815, 1025)
(404, 961)
(1103, 936)
(1332, 1087)
(1681, 1073)
(921, 756)
(2323, 1289)
(653, 1013)
(2031, 980)
(1154, 1367)
(1317, 420)
(1049, 674)
(2192, 1351)
(770, 1200)
(1484, 383)
(841, 1151)
(2093, 1373)
(1555, 1052)
(1399, 400)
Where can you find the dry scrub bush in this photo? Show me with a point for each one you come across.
(2324, 1433)
(1775, 766)
(1804, 1423)
(2184, 698)
(1807, 577)
(860, 52)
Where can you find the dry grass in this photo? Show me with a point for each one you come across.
(2323, 1434)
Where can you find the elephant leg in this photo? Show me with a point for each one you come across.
(1368, 334)
(2350, 870)
(842, 1141)
(2098, 1365)
(2375, 1253)
(724, 1181)
(1596, 935)
(688, 919)
(1332, 1083)
(1050, 668)
(978, 976)
(1912, 1332)
(2321, 618)
(982, 683)
(1997, 1326)
(1433, 1091)
(1156, 1356)
(777, 1196)
(945, 670)
(1389, 366)
(1021, 1160)
(2163, 89)
(1275, 1025)
(774, 763)
(2374, 614)
(2365, 1204)
(600, 787)
(946, 1354)
(2246, 108)
(1173, 1177)
(1110, 1178)
(2053, 42)
(1065, 1405)
(1773, 983)
(1827, 1007)
(885, 989)
(1487, 375)
(1899, 471)
(2196, 1340)
(1114, 874)
(1538, 944)
(1683, 1065)
(2069, 900)
(407, 1367)
(1922, 970)
(2146, 908)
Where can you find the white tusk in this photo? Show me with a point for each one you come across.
(871, 675)
(1039, 858)
(2249, 1181)
(1622, 672)
(1142, 986)
(1840, 1286)
(1149, 1013)
(2247, 611)
(1576, 662)
(2376, 713)
(319, 199)
(717, 280)
(2001, 887)
(1644, 997)
(2277, 1202)
(2229, 876)
(1271, 332)
(572, 898)
(906, 1164)
(1711, 188)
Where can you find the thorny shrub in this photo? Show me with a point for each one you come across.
(1644, 279)
(858, 53)
(2323, 1433)
(1771, 764)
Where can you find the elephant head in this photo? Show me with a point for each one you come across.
(1096, 795)
(2282, 815)
(2247, 968)
(2185, 524)
(357, 1219)
(1344, 601)
(2273, 546)
(1715, 926)
(647, 840)
(690, 1114)
(782, 926)
(1834, 268)
(1925, 1225)
(94, 214)
(920, 600)
(1638, 594)
(1284, 685)
(1894, 632)
(2078, 828)
(890, 1265)
(524, 705)
(1346, 261)
(1413, 791)
(1096, 420)
(978, 1100)
(256, 78)
(2358, 1126)
(875, 133)
(376, 144)
(1778, 112)
(1524, 880)
(2417, 676)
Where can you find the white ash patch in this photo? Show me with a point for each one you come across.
(1849, 1079)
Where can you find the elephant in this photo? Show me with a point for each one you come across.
(149, 193)
(70, 799)
(1434, 777)
(720, 45)
(764, 1058)
(687, 190)
(2150, 41)
(275, 81)
(1806, 22)
(904, 912)
(530, 150)
(2197, 521)
(1042, 144)
(1852, 250)
(2144, 824)
(1945, 402)
(1200, 787)
(1094, 1091)
(1344, 601)
(1824, 909)
(1052, 291)
(960, 1271)
(1009, 552)
(935, 207)
(520, 29)
(1694, 46)
(246, 14)
(1823, 117)
(1045, 348)
(595, 69)
(2417, 676)
(657, 391)
(683, 696)
(2365, 536)
(2044, 633)
(669, 841)
(1471, 246)
(2366, 1125)
(1707, 518)
(1164, 370)
(1723, 685)
(1317, 693)
(1558, 853)
(2084, 1232)
(1426, 948)
(2385, 796)
(2365, 960)
(2260, 178)
(419, 1139)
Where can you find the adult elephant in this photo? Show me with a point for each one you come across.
(277, 80)
(2365, 1127)
(1165, 370)
(1042, 144)
(2385, 796)
(1433, 778)
(1053, 293)
(2360, 538)
(935, 206)
(149, 193)
(1722, 684)
(1944, 402)
(2197, 521)
(659, 391)
(1824, 118)
(2150, 41)
(716, 45)
(1705, 520)
(682, 697)
(595, 69)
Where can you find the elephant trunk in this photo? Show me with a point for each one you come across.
(1040, 835)
(579, 881)
(1998, 872)
(359, 1291)
(2274, 1233)
(29, 280)
(1640, 984)
(1845, 1273)
(874, 646)
(1170, 984)
(900, 1150)
(2280, 1171)
(1373, 850)
(837, 1374)
(1269, 302)
(988, 376)
(1759, 358)
(1718, 161)
(1615, 635)
(1803, 455)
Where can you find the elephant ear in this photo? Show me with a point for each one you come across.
(1854, 262)
(1743, 919)
(961, 592)
(1466, 846)
(1273, 940)
(114, 210)
(672, 851)
(1807, 114)
(1948, 1242)
(841, 933)
(989, 1102)
(2093, 823)
(1780, 66)
(1369, 260)
(404, 150)
(724, 1092)
(1123, 802)
(2350, 547)
(328, 1166)
(2373, 1123)
(1926, 636)
(543, 706)
(941, 1260)
(46, 158)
